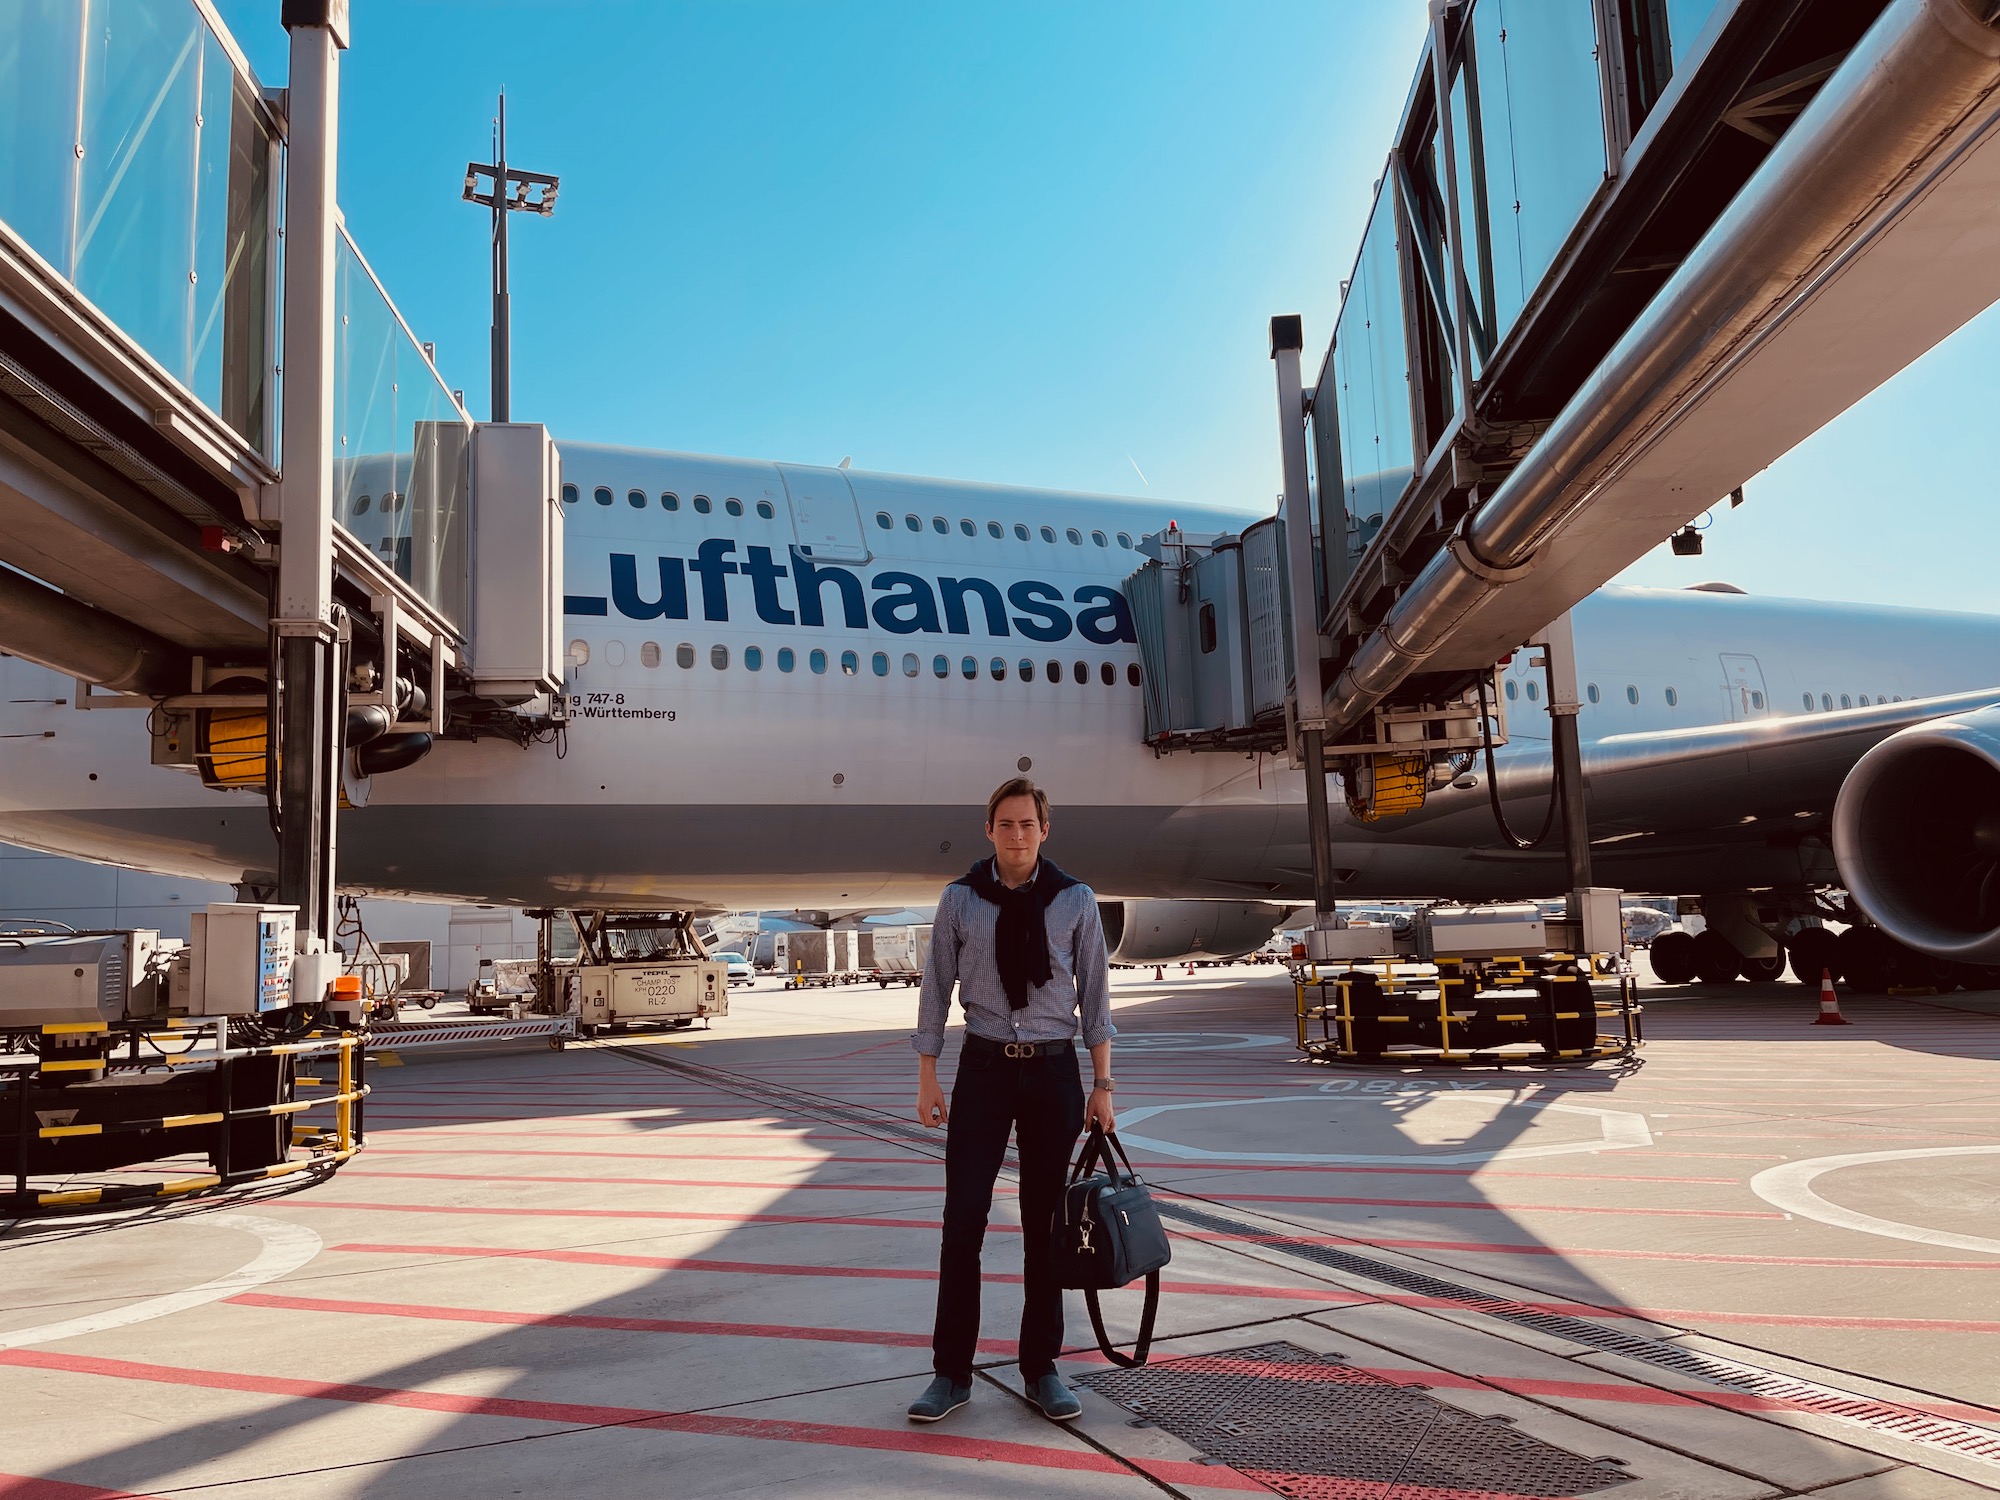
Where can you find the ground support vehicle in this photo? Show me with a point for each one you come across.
(901, 953)
(629, 968)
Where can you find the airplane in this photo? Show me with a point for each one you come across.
(792, 687)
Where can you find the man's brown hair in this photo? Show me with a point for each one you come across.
(1019, 786)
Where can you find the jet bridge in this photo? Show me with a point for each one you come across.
(1621, 257)
(235, 491)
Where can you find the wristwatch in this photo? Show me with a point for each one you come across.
(1105, 1084)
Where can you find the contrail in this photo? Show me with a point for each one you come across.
(1139, 471)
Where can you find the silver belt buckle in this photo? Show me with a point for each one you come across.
(1019, 1049)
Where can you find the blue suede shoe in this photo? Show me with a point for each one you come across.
(1057, 1401)
(940, 1399)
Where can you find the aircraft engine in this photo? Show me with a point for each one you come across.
(1916, 830)
(1165, 932)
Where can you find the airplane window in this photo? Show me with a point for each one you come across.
(636, 499)
(1862, 700)
(649, 654)
(1055, 671)
(1756, 699)
(1826, 703)
(670, 501)
(1808, 702)
(569, 494)
(766, 510)
(1107, 674)
(911, 523)
(753, 658)
(1592, 692)
(940, 525)
(786, 661)
(602, 494)
(1631, 693)
(1133, 674)
(733, 506)
(1075, 537)
(968, 528)
(614, 653)
(1897, 699)
(579, 652)
(817, 661)
(969, 668)
(850, 664)
(885, 520)
(361, 506)
(1672, 697)
(999, 669)
(911, 666)
(1082, 671)
(1048, 533)
(993, 529)
(1535, 692)
(1027, 670)
(703, 505)
(940, 666)
(1513, 688)
(880, 663)
(1020, 532)
(1100, 539)
(718, 657)
(684, 655)
(1125, 541)
(1844, 703)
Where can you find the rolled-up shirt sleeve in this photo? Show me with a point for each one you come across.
(1093, 977)
(940, 977)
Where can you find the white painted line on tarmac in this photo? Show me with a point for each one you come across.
(1620, 1130)
(1789, 1187)
(286, 1247)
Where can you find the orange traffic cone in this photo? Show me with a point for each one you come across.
(1190, 968)
(1829, 1003)
(1159, 974)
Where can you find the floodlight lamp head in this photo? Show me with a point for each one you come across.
(1686, 542)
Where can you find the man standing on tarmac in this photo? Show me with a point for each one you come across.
(1024, 945)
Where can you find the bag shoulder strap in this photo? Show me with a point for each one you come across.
(1145, 1343)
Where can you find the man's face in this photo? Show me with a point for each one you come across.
(1016, 830)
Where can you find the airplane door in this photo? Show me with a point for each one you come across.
(1743, 681)
(825, 518)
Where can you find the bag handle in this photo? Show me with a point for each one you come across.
(1145, 1343)
(1098, 1147)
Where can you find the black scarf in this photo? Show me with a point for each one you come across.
(1021, 936)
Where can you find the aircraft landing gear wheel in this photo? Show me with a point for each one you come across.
(1813, 951)
(1673, 958)
(1716, 960)
(1866, 957)
(1764, 970)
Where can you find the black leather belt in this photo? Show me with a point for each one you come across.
(979, 1046)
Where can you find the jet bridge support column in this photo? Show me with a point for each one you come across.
(1287, 340)
(1566, 747)
(311, 690)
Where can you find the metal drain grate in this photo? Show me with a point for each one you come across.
(1308, 1425)
(1894, 1419)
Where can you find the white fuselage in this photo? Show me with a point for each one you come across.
(736, 744)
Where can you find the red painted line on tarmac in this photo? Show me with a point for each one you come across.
(26, 1487)
(1326, 1295)
(802, 1185)
(1535, 1208)
(576, 1414)
(884, 1337)
(633, 1213)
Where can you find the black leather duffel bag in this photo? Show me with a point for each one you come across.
(1108, 1233)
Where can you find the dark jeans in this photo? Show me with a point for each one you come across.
(1040, 1099)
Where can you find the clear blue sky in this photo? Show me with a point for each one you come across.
(1036, 243)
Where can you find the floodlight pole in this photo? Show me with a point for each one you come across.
(513, 191)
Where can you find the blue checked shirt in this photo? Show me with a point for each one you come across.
(1079, 987)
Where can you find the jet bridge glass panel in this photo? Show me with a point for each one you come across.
(1528, 116)
(1372, 371)
(136, 160)
(400, 479)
